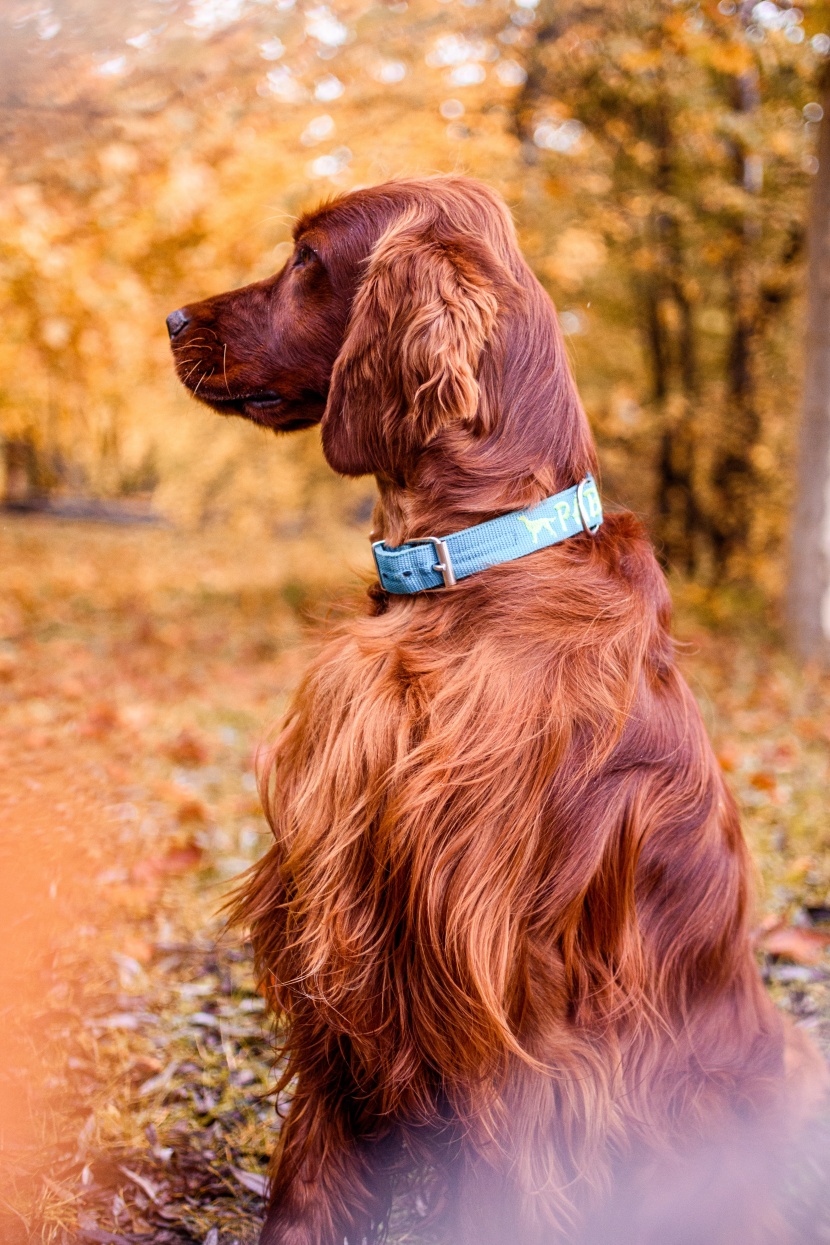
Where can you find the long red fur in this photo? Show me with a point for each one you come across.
(507, 907)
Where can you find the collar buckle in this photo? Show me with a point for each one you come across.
(442, 552)
(583, 513)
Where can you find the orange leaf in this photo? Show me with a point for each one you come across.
(728, 758)
(192, 810)
(182, 859)
(176, 860)
(8, 668)
(188, 749)
(802, 946)
(100, 720)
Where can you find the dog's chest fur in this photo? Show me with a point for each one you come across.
(451, 797)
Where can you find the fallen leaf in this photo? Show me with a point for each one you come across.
(791, 974)
(161, 1081)
(188, 749)
(147, 1186)
(182, 859)
(100, 721)
(206, 1019)
(728, 758)
(191, 811)
(248, 806)
(785, 754)
(121, 1020)
(84, 1138)
(802, 946)
(177, 860)
(252, 1180)
(143, 1067)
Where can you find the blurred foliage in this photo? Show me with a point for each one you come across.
(657, 156)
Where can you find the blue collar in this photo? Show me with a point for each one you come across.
(439, 562)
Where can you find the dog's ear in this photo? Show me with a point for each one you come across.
(410, 358)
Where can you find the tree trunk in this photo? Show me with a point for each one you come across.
(733, 475)
(809, 587)
(21, 483)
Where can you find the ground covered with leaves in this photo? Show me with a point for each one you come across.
(139, 668)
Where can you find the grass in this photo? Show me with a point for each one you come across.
(138, 670)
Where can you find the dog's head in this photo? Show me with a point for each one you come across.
(405, 317)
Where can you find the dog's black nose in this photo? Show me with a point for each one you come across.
(176, 321)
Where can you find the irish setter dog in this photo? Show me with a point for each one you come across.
(504, 923)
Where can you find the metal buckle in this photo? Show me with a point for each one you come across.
(442, 553)
(376, 544)
(583, 514)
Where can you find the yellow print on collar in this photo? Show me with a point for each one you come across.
(535, 526)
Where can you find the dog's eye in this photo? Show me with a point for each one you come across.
(304, 256)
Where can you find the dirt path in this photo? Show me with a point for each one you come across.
(137, 672)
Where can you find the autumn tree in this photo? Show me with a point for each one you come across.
(151, 156)
(809, 589)
(657, 157)
(694, 115)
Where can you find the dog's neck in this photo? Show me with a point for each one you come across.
(538, 441)
(406, 511)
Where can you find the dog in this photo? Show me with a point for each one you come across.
(505, 923)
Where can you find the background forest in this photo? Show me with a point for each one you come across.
(657, 156)
(163, 570)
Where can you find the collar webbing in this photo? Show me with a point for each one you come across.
(439, 561)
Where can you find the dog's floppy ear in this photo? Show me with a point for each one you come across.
(410, 357)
